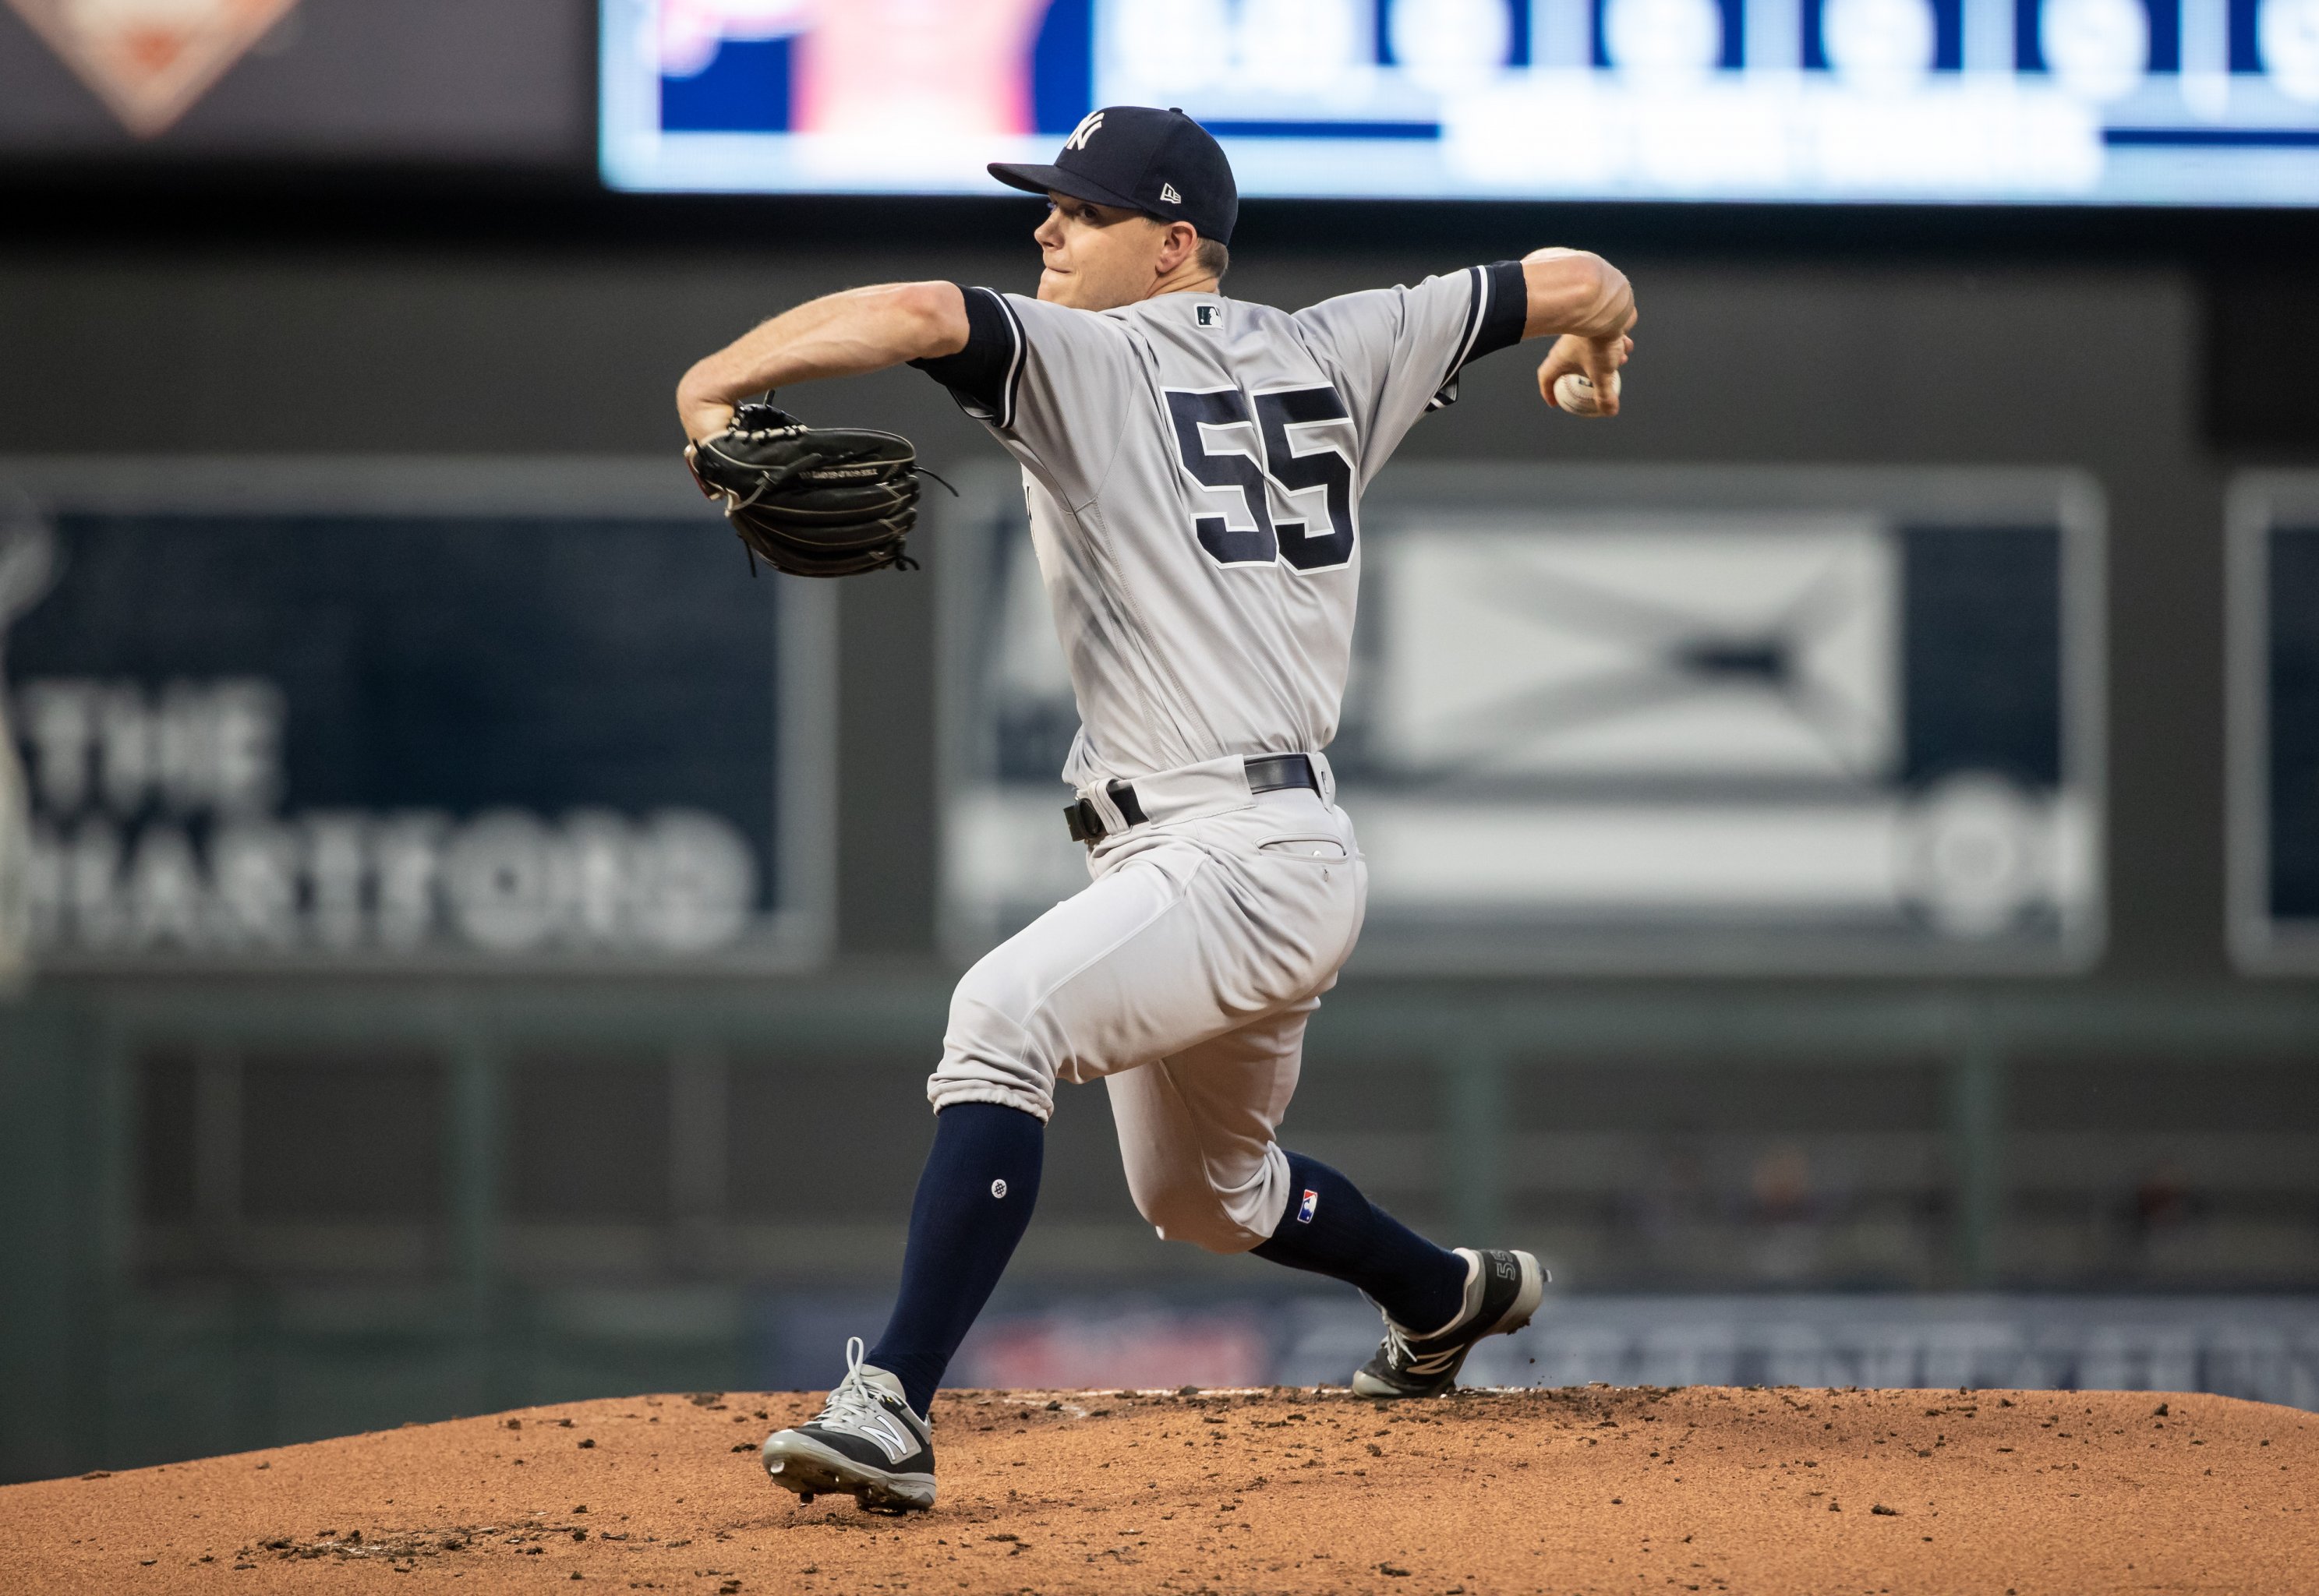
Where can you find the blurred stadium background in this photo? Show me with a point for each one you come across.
(1846, 835)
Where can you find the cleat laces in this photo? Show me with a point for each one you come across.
(1404, 1359)
(854, 1404)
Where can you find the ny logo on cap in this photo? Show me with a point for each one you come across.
(1089, 125)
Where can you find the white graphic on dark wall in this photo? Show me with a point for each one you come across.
(156, 826)
(28, 563)
(1650, 720)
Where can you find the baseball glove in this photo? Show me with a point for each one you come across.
(811, 501)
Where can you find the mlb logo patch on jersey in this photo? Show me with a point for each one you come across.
(1308, 1207)
(1208, 315)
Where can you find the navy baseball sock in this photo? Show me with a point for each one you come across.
(1331, 1229)
(974, 1200)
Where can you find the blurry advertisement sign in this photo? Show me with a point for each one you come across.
(150, 59)
(1985, 101)
(422, 715)
(1644, 719)
(2274, 722)
(27, 556)
(508, 83)
(1142, 1346)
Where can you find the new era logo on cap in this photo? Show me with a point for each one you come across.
(1168, 195)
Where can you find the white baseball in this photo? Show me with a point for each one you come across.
(1575, 394)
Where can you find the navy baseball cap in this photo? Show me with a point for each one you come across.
(1162, 163)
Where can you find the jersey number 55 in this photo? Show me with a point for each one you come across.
(1224, 445)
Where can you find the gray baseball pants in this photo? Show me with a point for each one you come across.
(1183, 978)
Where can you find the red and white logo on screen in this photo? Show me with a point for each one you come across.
(894, 79)
(150, 59)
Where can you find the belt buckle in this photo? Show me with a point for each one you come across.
(1085, 825)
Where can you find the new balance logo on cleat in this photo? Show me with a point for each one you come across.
(889, 1437)
(865, 1442)
(1502, 1289)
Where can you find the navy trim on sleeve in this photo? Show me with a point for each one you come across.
(1495, 316)
(1507, 312)
(983, 376)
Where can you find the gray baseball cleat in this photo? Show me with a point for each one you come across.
(865, 1442)
(1502, 1290)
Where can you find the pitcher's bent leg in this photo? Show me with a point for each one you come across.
(992, 1095)
(1153, 957)
(1334, 1230)
(1101, 982)
(1195, 1132)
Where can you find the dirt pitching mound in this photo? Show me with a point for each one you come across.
(1593, 1490)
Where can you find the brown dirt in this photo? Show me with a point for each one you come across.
(1594, 1490)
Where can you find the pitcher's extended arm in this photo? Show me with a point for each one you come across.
(841, 335)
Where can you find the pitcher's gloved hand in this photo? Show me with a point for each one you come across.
(811, 501)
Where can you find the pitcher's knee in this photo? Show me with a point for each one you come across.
(946, 1088)
(990, 1053)
(1194, 1211)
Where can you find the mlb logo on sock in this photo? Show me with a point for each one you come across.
(1304, 1210)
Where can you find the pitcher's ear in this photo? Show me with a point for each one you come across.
(1181, 244)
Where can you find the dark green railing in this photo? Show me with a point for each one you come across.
(68, 1057)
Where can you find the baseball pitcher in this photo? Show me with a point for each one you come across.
(1194, 467)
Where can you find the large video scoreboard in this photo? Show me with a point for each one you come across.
(2133, 102)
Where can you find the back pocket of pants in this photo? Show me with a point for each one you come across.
(1327, 849)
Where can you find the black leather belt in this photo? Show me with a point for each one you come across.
(1267, 772)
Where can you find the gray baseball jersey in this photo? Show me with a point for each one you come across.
(1193, 467)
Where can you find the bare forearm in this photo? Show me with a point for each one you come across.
(1577, 293)
(1585, 305)
(842, 335)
